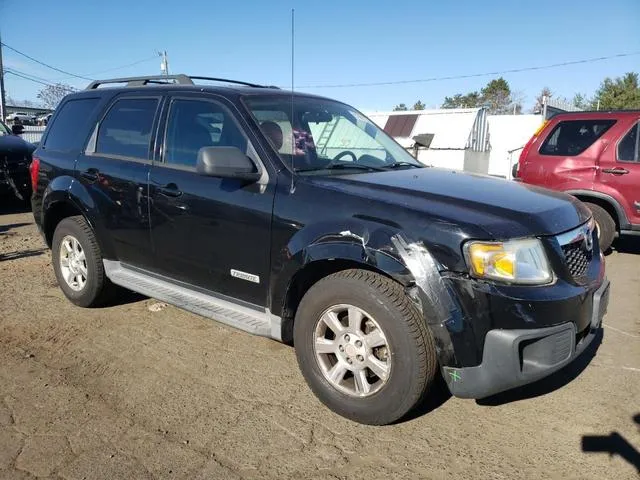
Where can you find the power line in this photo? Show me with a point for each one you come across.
(12, 72)
(45, 64)
(123, 66)
(474, 75)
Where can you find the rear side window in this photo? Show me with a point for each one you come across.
(572, 137)
(126, 129)
(64, 133)
(629, 146)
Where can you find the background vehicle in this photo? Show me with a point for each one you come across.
(594, 156)
(15, 157)
(24, 118)
(43, 119)
(295, 217)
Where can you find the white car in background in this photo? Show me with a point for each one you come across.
(22, 116)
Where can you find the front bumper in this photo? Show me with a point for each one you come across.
(512, 358)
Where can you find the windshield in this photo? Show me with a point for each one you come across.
(4, 130)
(318, 135)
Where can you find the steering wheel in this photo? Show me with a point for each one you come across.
(343, 154)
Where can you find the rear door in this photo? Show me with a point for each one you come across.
(212, 233)
(115, 169)
(619, 172)
(567, 155)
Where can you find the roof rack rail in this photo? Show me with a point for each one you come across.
(167, 80)
(141, 81)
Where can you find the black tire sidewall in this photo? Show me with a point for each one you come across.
(395, 398)
(606, 225)
(73, 226)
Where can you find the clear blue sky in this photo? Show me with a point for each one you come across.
(337, 42)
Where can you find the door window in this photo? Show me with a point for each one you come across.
(126, 129)
(194, 124)
(572, 137)
(629, 146)
(64, 134)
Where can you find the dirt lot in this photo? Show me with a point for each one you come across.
(129, 392)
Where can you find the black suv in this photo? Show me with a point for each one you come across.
(295, 217)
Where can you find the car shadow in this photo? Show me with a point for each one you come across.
(548, 384)
(21, 254)
(437, 396)
(626, 244)
(613, 444)
(11, 226)
(122, 296)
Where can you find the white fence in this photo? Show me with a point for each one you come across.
(32, 134)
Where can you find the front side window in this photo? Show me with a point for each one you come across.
(572, 137)
(629, 146)
(318, 135)
(126, 129)
(194, 124)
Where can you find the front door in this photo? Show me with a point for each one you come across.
(115, 170)
(211, 233)
(620, 172)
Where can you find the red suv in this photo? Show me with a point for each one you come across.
(594, 156)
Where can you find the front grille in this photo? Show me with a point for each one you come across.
(577, 247)
(577, 258)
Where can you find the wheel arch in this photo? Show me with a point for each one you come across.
(64, 199)
(610, 204)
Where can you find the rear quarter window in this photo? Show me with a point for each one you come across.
(572, 137)
(69, 129)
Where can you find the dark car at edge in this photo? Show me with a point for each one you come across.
(295, 217)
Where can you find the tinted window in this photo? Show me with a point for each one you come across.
(126, 130)
(195, 124)
(629, 146)
(65, 132)
(572, 137)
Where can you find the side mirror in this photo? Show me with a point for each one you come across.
(226, 162)
(17, 129)
(514, 170)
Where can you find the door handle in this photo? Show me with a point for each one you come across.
(615, 171)
(637, 205)
(91, 174)
(170, 190)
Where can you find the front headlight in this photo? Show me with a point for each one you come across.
(516, 261)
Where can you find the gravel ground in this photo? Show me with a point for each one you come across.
(143, 390)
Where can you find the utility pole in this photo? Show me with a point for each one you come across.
(3, 105)
(164, 66)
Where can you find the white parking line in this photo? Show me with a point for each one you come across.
(622, 332)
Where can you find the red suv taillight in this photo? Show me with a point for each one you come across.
(34, 169)
(527, 148)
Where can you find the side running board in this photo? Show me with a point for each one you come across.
(253, 321)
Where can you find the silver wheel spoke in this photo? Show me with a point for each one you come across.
(64, 262)
(375, 339)
(67, 246)
(337, 372)
(324, 345)
(70, 277)
(362, 384)
(331, 320)
(378, 367)
(80, 257)
(355, 319)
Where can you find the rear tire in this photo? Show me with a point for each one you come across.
(606, 225)
(403, 353)
(77, 263)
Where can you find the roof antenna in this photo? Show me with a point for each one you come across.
(293, 140)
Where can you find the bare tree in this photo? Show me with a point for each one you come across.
(51, 95)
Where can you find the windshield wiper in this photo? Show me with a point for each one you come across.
(343, 166)
(404, 164)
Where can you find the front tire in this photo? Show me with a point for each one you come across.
(606, 225)
(77, 263)
(363, 347)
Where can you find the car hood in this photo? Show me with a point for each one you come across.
(501, 208)
(13, 146)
